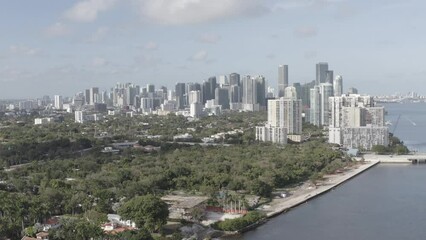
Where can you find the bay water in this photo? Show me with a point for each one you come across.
(384, 203)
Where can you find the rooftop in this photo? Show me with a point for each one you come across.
(184, 202)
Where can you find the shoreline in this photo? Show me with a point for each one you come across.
(304, 193)
(300, 195)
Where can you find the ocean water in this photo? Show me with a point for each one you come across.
(386, 202)
(411, 126)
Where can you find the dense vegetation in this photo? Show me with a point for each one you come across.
(396, 146)
(239, 223)
(68, 175)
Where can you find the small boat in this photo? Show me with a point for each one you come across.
(388, 123)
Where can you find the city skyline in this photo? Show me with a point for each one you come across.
(59, 47)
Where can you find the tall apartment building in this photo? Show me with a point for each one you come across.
(326, 91)
(338, 86)
(321, 73)
(180, 95)
(355, 122)
(284, 120)
(58, 102)
(282, 79)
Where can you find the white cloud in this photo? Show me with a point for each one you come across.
(293, 4)
(209, 38)
(88, 10)
(178, 12)
(99, 62)
(24, 50)
(151, 46)
(305, 32)
(200, 56)
(100, 34)
(57, 30)
(148, 60)
(12, 74)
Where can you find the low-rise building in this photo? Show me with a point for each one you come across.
(185, 207)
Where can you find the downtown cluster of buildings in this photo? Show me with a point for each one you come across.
(352, 120)
(225, 93)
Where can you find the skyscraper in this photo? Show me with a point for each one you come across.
(222, 97)
(282, 79)
(321, 73)
(249, 85)
(315, 106)
(355, 122)
(338, 86)
(286, 112)
(150, 88)
(326, 91)
(94, 95)
(261, 91)
(180, 95)
(330, 76)
(194, 97)
(234, 79)
(213, 85)
(58, 102)
(87, 96)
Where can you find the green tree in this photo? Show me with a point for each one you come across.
(380, 149)
(146, 211)
(140, 234)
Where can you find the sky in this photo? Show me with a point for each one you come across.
(62, 47)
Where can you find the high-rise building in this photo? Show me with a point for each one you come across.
(79, 116)
(58, 102)
(330, 76)
(147, 104)
(249, 93)
(196, 109)
(180, 95)
(321, 73)
(286, 112)
(355, 122)
(194, 97)
(87, 96)
(282, 79)
(234, 79)
(338, 86)
(150, 88)
(223, 80)
(261, 91)
(94, 93)
(254, 93)
(235, 94)
(315, 106)
(326, 91)
(290, 92)
(222, 97)
(352, 90)
(213, 85)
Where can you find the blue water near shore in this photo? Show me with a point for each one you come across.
(411, 127)
(386, 202)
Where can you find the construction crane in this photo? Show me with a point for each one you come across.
(396, 124)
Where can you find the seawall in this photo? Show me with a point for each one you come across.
(285, 204)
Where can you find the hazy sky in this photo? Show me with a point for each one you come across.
(62, 47)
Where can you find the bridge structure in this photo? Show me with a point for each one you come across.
(409, 158)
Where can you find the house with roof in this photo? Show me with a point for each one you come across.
(184, 207)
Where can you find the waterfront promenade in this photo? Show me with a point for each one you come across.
(306, 192)
(409, 158)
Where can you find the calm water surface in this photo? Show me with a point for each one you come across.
(386, 202)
